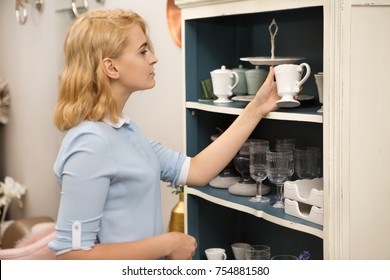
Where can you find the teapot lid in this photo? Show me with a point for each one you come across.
(255, 70)
(222, 70)
(240, 68)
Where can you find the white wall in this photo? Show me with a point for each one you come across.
(31, 59)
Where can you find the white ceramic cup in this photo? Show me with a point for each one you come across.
(239, 250)
(215, 254)
(289, 81)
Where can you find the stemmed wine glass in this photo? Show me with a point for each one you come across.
(280, 168)
(241, 163)
(258, 166)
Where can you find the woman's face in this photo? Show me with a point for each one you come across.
(135, 64)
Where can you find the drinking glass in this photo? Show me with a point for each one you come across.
(258, 166)
(307, 162)
(314, 164)
(280, 168)
(285, 144)
(301, 161)
(258, 252)
(241, 163)
(284, 257)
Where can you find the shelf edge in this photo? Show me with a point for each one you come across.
(244, 5)
(257, 213)
(314, 118)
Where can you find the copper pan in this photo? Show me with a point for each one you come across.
(174, 22)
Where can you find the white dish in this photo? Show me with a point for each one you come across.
(223, 182)
(245, 98)
(304, 98)
(308, 191)
(304, 211)
(263, 60)
(249, 98)
(247, 189)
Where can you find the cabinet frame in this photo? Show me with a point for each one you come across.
(341, 238)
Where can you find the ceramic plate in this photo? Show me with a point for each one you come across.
(303, 97)
(245, 98)
(263, 60)
(248, 98)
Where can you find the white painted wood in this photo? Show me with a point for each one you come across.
(257, 213)
(333, 198)
(355, 118)
(369, 130)
(287, 116)
(210, 8)
(355, 130)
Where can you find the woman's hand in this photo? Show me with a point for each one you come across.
(267, 95)
(183, 246)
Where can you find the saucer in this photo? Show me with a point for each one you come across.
(222, 101)
(245, 98)
(223, 182)
(247, 189)
(306, 100)
(263, 60)
(290, 103)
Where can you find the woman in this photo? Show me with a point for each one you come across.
(108, 170)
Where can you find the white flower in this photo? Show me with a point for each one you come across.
(9, 190)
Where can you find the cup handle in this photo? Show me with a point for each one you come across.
(304, 79)
(236, 83)
(224, 257)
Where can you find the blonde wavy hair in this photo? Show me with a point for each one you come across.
(85, 91)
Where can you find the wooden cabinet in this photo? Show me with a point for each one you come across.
(348, 41)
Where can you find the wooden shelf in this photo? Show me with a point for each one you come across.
(261, 210)
(304, 114)
(211, 8)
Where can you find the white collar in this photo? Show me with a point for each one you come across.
(123, 119)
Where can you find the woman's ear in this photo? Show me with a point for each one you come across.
(109, 68)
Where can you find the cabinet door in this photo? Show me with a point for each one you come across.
(359, 133)
(370, 132)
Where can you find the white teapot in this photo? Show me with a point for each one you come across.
(223, 83)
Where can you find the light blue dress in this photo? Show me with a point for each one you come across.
(110, 184)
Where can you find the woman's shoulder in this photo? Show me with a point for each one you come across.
(86, 131)
(86, 127)
(86, 142)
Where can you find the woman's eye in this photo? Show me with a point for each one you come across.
(144, 52)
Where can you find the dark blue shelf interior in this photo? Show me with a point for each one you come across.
(211, 43)
(214, 225)
(265, 207)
